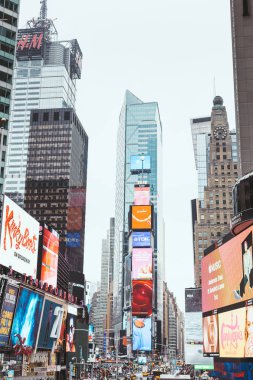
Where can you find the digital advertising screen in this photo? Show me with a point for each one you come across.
(142, 291)
(193, 300)
(30, 44)
(70, 333)
(141, 239)
(211, 335)
(141, 217)
(74, 239)
(227, 273)
(141, 195)
(127, 280)
(142, 360)
(27, 317)
(91, 334)
(50, 252)
(142, 334)
(7, 313)
(75, 219)
(139, 163)
(51, 324)
(60, 342)
(19, 239)
(142, 264)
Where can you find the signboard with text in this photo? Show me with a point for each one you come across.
(30, 44)
(7, 313)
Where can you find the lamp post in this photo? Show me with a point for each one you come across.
(142, 163)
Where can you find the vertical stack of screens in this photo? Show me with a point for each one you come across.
(141, 256)
(227, 297)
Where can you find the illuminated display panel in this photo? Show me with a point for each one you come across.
(142, 264)
(142, 297)
(7, 313)
(141, 195)
(141, 217)
(142, 334)
(210, 335)
(141, 239)
(50, 252)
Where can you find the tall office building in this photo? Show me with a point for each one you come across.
(56, 176)
(213, 211)
(44, 76)
(139, 132)
(242, 43)
(9, 12)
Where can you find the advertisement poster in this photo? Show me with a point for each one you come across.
(141, 195)
(27, 317)
(193, 300)
(142, 264)
(61, 341)
(139, 163)
(141, 239)
(7, 312)
(141, 217)
(211, 335)
(142, 334)
(50, 252)
(74, 239)
(227, 273)
(232, 333)
(127, 280)
(70, 333)
(19, 239)
(51, 324)
(142, 291)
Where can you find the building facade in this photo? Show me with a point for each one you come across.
(242, 43)
(45, 74)
(139, 132)
(56, 178)
(214, 212)
(9, 12)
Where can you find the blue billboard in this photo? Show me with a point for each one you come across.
(139, 163)
(142, 334)
(73, 239)
(7, 313)
(141, 239)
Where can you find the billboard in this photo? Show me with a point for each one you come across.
(7, 312)
(210, 335)
(142, 291)
(76, 57)
(141, 239)
(139, 163)
(141, 217)
(30, 44)
(70, 333)
(227, 273)
(27, 317)
(91, 334)
(193, 300)
(49, 260)
(75, 219)
(19, 239)
(73, 239)
(141, 195)
(127, 280)
(51, 324)
(142, 264)
(142, 334)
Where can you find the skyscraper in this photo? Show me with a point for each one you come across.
(45, 76)
(8, 32)
(242, 43)
(214, 209)
(139, 132)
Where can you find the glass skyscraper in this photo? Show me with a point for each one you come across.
(139, 132)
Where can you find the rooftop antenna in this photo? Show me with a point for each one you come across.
(43, 9)
(44, 22)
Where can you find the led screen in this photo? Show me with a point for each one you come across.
(91, 333)
(27, 317)
(50, 252)
(142, 334)
(140, 162)
(141, 195)
(227, 273)
(141, 239)
(142, 297)
(142, 360)
(193, 300)
(51, 324)
(127, 280)
(75, 219)
(7, 312)
(141, 217)
(142, 264)
(70, 333)
(74, 239)
(210, 335)
(19, 239)
(61, 340)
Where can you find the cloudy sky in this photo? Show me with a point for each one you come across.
(167, 51)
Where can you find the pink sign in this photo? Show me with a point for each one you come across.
(141, 196)
(142, 264)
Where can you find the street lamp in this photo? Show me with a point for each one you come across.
(142, 157)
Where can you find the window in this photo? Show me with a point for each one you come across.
(224, 157)
(217, 157)
(35, 117)
(56, 116)
(45, 116)
(217, 150)
(224, 149)
(67, 115)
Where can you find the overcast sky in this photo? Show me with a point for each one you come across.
(167, 51)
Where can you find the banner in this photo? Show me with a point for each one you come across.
(7, 313)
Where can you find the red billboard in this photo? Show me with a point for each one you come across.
(48, 263)
(30, 44)
(227, 273)
(142, 297)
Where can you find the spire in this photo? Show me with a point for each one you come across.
(43, 9)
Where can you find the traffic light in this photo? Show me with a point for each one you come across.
(74, 370)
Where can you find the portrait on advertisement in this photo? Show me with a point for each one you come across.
(142, 334)
(247, 267)
(210, 334)
(70, 335)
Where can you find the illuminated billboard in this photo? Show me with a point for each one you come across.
(139, 163)
(75, 219)
(141, 217)
(27, 317)
(76, 57)
(48, 263)
(30, 44)
(73, 239)
(193, 300)
(142, 264)
(141, 239)
(7, 312)
(19, 239)
(142, 334)
(127, 281)
(142, 291)
(227, 273)
(141, 195)
(210, 335)
(70, 333)
(51, 324)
